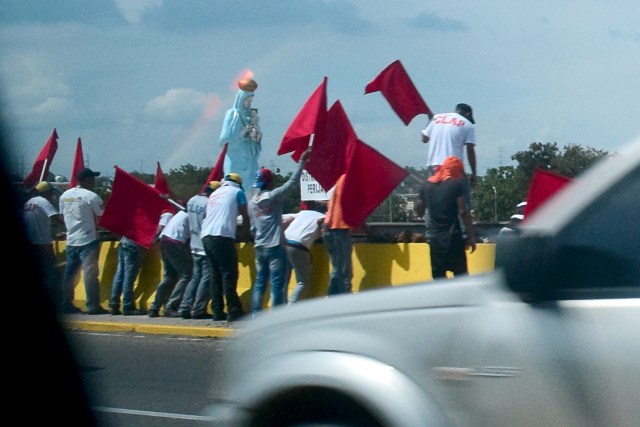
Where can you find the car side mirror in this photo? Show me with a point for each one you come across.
(528, 264)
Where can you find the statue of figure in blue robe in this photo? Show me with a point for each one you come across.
(240, 130)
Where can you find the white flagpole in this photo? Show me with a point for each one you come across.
(44, 167)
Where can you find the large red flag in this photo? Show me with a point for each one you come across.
(133, 209)
(78, 164)
(40, 169)
(311, 120)
(328, 156)
(544, 184)
(160, 182)
(370, 178)
(217, 172)
(399, 91)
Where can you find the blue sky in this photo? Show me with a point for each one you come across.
(141, 81)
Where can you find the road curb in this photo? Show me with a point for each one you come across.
(193, 331)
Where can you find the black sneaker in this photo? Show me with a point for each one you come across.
(171, 313)
(114, 311)
(201, 316)
(236, 315)
(185, 314)
(220, 317)
(70, 309)
(154, 312)
(133, 312)
(97, 310)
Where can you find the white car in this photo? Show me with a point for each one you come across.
(550, 338)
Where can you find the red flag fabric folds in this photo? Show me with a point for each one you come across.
(217, 172)
(544, 184)
(370, 178)
(328, 156)
(399, 91)
(160, 182)
(134, 209)
(78, 164)
(42, 164)
(311, 120)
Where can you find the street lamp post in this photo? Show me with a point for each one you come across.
(495, 204)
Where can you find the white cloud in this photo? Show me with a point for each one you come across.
(134, 10)
(178, 103)
(53, 106)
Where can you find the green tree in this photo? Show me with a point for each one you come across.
(512, 183)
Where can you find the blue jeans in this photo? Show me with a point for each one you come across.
(198, 293)
(271, 266)
(129, 263)
(86, 257)
(339, 245)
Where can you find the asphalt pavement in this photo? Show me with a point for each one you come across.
(147, 325)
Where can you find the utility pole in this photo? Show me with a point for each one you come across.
(495, 204)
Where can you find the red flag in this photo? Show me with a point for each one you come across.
(399, 91)
(311, 120)
(40, 169)
(217, 172)
(134, 209)
(370, 178)
(544, 184)
(160, 182)
(78, 164)
(328, 156)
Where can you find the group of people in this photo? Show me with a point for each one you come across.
(198, 243)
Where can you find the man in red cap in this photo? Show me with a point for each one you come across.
(265, 211)
(441, 198)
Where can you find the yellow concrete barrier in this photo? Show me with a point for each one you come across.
(375, 265)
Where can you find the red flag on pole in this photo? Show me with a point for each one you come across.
(370, 178)
(78, 164)
(40, 169)
(160, 182)
(328, 156)
(311, 120)
(544, 184)
(217, 172)
(134, 209)
(399, 91)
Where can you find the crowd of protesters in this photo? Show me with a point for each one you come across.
(198, 243)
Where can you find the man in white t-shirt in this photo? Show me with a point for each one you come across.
(218, 236)
(200, 289)
(448, 134)
(39, 214)
(81, 209)
(301, 233)
(175, 253)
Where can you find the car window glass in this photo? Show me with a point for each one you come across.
(600, 249)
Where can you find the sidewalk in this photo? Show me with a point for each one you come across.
(146, 325)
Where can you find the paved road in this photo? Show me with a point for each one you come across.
(137, 379)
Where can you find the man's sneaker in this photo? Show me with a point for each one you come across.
(201, 316)
(236, 315)
(185, 314)
(97, 310)
(171, 313)
(70, 309)
(153, 312)
(133, 312)
(220, 317)
(114, 311)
